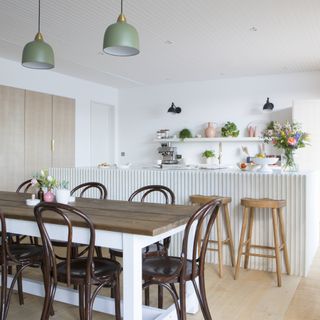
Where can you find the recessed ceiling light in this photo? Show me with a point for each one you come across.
(169, 42)
(253, 29)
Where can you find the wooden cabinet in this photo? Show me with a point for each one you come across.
(11, 137)
(63, 131)
(37, 131)
(49, 132)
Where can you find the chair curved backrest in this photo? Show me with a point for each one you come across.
(143, 192)
(102, 190)
(165, 192)
(66, 215)
(202, 220)
(24, 186)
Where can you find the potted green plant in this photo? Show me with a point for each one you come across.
(208, 155)
(62, 192)
(185, 133)
(229, 130)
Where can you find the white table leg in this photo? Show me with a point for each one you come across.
(192, 300)
(132, 281)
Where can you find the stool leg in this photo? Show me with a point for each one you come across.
(243, 231)
(219, 242)
(229, 233)
(248, 244)
(276, 244)
(284, 242)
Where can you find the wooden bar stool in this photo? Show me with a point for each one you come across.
(200, 199)
(276, 207)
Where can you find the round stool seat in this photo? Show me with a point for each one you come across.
(263, 203)
(200, 199)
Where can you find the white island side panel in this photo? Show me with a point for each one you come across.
(299, 189)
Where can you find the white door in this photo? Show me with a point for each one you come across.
(102, 137)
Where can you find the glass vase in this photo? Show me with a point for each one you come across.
(48, 196)
(288, 163)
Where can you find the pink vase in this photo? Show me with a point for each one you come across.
(210, 131)
(48, 196)
(251, 131)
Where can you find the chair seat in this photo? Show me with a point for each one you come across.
(160, 267)
(263, 203)
(26, 251)
(155, 249)
(102, 267)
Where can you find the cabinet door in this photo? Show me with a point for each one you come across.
(38, 132)
(63, 132)
(11, 138)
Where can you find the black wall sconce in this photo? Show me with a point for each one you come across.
(268, 106)
(174, 109)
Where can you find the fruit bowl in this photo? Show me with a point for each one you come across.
(243, 166)
(265, 162)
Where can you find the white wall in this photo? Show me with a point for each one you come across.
(142, 111)
(14, 75)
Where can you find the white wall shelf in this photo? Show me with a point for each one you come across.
(218, 139)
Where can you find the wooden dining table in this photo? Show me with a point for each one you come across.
(128, 226)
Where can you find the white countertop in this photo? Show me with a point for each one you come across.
(202, 168)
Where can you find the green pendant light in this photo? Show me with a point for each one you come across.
(121, 38)
(38, 54)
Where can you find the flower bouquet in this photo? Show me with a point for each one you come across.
(44, 180)
(288, 137)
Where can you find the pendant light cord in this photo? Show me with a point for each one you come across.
(39, 17)
(121, 7)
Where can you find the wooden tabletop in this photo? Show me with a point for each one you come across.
(122, 216)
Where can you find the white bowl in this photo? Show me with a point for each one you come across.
(72, 199)
(265, 161)
(246, 168)
(32, 202)
(249, 166)
(124, 166)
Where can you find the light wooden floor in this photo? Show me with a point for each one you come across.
(253, 297)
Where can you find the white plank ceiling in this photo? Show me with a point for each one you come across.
(180, 40)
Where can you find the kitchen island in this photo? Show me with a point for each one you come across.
(301, 190)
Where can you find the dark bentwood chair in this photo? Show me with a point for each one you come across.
(17, 238)
(102, 190)
(24, 186)
(83, 188)
(156, 249)
(167, 270)
(83, 272)
(19, 255)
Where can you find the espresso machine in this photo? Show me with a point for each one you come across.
(169, 153)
